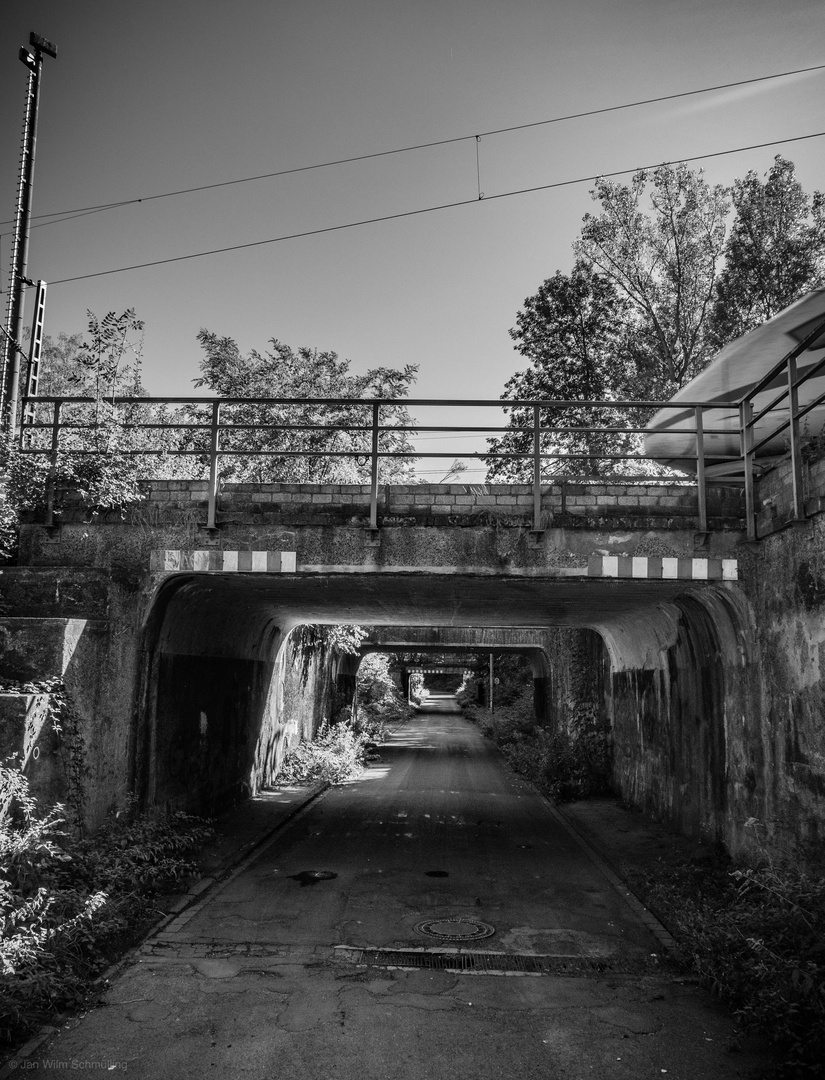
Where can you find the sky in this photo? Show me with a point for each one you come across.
(145, 99)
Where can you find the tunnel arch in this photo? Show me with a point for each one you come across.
(679, 683)
(217, 678)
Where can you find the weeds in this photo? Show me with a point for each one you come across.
(756, 937)
(69, 906)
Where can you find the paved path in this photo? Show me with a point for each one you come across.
(271, 973)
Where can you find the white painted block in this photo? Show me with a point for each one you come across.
(610, 566)
(640, 566)
(230, 560)
(699, 571)
(670, 568)
(288, 562)
(730, 570)
(259, 561)
(200, 560)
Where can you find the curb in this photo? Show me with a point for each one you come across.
(658, 930)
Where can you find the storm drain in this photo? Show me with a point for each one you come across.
(489, 963)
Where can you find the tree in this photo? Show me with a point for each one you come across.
(665, 264)
(775, 251)
(96, 456)
(573, 332)
(104, 363)
(342, 427)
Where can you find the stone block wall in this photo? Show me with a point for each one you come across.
(573, 503)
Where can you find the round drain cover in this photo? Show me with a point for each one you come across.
(455, 929)
(312, 877)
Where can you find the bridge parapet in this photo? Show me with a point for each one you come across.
(617, 529)
(574, 503)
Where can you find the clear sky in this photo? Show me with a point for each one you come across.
(150, 97)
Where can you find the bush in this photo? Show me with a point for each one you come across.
(336, 754)
(68, 906)
(756, 937)
(379, 699)
(563, 765)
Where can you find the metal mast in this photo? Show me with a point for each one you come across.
(12, 352)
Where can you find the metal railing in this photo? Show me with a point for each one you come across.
(792, 413)
(215, 429)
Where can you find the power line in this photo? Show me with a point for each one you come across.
(424, 210)
(65, 215)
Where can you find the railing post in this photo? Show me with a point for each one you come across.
(536, 468)
(796, 456)
(374, 468)
(746, 444)
(214, 447)
(701, 484)
(52, 475)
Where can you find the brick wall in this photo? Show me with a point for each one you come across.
(568, 502)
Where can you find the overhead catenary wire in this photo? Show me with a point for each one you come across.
(400, 215)
(65, 215)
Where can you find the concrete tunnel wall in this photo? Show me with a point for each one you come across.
(682, 698)
(223, 699)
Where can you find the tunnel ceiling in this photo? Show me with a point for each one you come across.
(420, 599)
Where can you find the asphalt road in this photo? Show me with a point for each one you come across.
(265, 977)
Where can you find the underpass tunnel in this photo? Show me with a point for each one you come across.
(227, 687)
(473, 654)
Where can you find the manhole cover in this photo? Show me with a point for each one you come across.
(312, 877)
(455, 929)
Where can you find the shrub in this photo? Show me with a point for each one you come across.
(756, 937)
(335, 755)
(564, 765)
(67, 906)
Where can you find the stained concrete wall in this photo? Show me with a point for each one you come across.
(578, 679)
(785, 583)
(83, 628)
(28, 735)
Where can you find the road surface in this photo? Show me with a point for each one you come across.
(297, 966)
